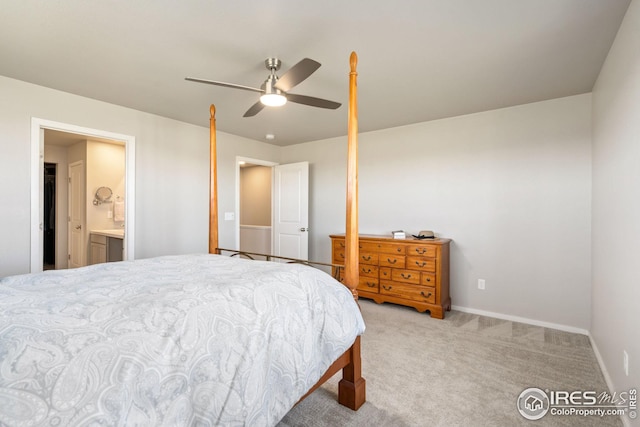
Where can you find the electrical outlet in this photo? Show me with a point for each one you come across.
(481, 284)
(625, 362)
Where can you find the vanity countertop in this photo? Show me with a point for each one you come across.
(118, 233)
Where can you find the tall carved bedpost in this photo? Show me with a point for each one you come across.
(351, 388)
(213, 185)
(351, 274)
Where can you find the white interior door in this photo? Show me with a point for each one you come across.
(77, 207)
(291, 210)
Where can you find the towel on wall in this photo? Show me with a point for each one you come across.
(118, 210)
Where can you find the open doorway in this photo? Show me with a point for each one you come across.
(108, 159)
(287, 205)
(255, 212)
(50, 217)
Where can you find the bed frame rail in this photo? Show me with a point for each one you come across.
(268, 257)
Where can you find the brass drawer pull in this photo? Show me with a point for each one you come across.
(342, 256)
(421, 264)
(387, 288)
(371, 285)
(408, 276)
(368, 258)
(342, 244)
(426, 296)
(368, 270)
(421, 251)
(428, 279)
(392, 262)
(384, 273)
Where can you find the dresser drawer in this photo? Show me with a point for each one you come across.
(368, 246)
(421, 263)
(415, 293)
(369, 284)
(406, 276)
(391, 248)
(337, 250)
(338, 244)
(369, 270)
(422, 250)
(385, 273)
(391, 260)
(428, 279)
(368, 258)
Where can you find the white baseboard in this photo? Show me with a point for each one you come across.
(550, 325)
(603, 368)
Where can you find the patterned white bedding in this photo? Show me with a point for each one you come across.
(193, 340)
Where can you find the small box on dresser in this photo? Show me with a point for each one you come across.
(410, 272)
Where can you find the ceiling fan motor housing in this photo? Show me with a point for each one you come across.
(272, 64)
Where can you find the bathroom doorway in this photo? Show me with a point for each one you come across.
(60, 144)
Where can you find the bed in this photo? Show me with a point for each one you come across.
(201, 339)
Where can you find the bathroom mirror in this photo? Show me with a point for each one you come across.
(103, 194)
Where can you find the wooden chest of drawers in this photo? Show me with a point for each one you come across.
(410, 272)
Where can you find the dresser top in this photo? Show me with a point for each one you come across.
(410, 239)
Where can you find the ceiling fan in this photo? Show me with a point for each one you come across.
(275, 90)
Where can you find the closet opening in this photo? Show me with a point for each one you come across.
(49, 220)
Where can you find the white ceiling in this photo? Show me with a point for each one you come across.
(419, 60)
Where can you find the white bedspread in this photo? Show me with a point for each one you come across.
(192, 340)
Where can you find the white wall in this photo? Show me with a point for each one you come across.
(616, 206)
(511, 187)
(172, 171)
(105, 167)
(255, 195)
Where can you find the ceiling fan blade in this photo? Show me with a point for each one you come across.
(255, 109)
(297, 74)
(312, 101)
(231, 85)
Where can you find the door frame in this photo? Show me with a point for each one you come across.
(37, 164)
(237, 201)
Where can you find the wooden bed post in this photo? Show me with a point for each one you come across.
(351, 274)
(351, 389)
(213, 185)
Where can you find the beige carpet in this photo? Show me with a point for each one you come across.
(465, 370)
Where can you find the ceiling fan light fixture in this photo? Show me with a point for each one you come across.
(273, 99)
(275, 90)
